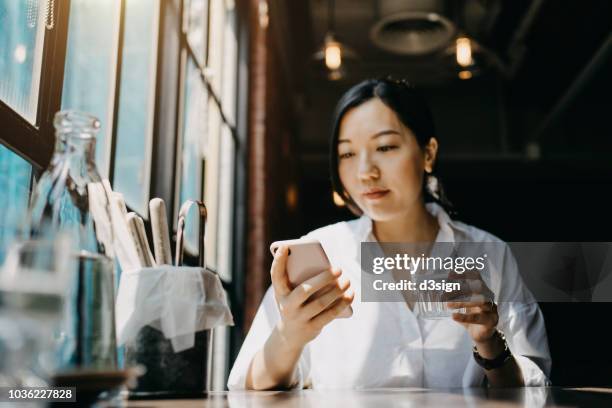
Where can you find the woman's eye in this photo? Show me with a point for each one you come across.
(346, 155)
(386, 148)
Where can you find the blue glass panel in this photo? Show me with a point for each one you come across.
(15, 176)
(21, 46)
(91, 59)
(137, 96)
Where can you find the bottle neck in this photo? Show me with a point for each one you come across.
(78, 148)
(76, 135)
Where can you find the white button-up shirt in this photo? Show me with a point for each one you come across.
(386, 344)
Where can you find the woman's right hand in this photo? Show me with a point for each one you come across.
(310, 306)
(304, 311)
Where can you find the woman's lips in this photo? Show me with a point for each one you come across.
(375, 194)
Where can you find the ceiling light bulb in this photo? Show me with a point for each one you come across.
(333, 55)
(335, 74)
(464, 52)
(465, 74)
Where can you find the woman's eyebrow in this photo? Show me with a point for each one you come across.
(385, 132)
(375, 135)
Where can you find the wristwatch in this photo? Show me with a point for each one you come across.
(498, 361)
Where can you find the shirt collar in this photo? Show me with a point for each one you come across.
(445, 234)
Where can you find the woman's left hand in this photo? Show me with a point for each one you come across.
(481, 318)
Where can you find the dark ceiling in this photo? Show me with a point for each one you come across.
(546, 72)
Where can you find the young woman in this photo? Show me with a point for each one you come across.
(383, 154)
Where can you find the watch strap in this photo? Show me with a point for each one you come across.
(498, 361)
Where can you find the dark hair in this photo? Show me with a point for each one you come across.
(412, 110)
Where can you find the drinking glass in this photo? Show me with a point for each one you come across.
(33, 282)
(430, 293)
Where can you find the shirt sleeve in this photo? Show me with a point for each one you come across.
(266, 318)
(522, 322)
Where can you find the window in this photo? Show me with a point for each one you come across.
(33, 36)
(128, 63)
(92, 77)
(193, 127)
(227, 145)
(14, 194)
(29, 34)
(21, 50)
(219, 180)
(132, 161)
(193, 136)
(91, 62)
(207, 146)
(196, 27)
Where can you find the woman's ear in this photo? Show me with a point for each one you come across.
(431, 152)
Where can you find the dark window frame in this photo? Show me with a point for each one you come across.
(35, 143)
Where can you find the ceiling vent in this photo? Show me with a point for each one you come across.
(412, 27)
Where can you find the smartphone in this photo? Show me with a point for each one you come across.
(306, 260)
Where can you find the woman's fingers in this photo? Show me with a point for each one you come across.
(319, 303)
(476, 298)
(488, 319)
(301, 293)
(278, 273)
(478, 302)
(469, 274)
(471, 283)
(462, 292)
(333, 310)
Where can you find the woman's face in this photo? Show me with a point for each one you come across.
(381, 164)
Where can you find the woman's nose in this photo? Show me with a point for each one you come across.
(367, 168)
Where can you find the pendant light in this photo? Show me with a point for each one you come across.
(333, 53)
(466, 57)
(463, 53)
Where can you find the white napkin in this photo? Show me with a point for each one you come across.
(178, 301)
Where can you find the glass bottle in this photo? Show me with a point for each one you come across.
(61, 197)
(70, 197)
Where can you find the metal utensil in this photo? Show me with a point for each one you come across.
(180, 231)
